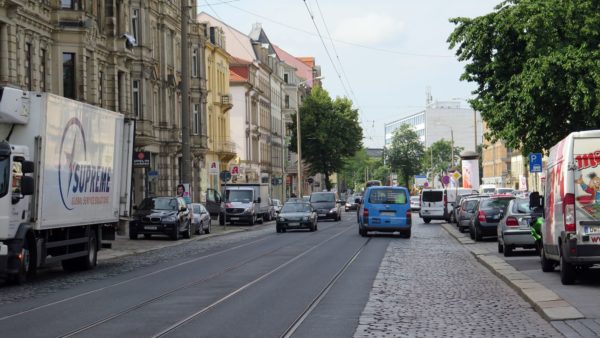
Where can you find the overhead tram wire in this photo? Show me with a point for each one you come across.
(312, 17)
(338, 57)
(383, 50)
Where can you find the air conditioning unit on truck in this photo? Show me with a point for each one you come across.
(571, 228)
(65, 176)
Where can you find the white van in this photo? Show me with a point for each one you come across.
(453, 193)
(571, 228)
(487, 189)
(434, 204)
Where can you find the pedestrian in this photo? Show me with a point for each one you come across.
(184, 194)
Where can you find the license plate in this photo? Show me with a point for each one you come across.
(150, 227)
(234, 218)
(387, 213)
(592, 229)
(322, 214)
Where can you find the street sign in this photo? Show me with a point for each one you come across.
(235, 170)
(225, 175)
(446, 180)
(141, 159)
(456, 175)
(213, 167)
(535, 163)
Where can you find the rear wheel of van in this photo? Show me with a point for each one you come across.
(426, 220)
(405, 234)
(547, 265)
(362, 231)
(567, 272)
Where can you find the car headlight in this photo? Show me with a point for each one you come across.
(248, 211)
(170, 219)
(333, 210)
(305, 218)
(281, 219)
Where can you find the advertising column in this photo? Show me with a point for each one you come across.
(470, 169)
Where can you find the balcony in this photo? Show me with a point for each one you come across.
(199, 142)
(225, 148)
(226, 102)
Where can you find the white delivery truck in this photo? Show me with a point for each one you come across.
(248, 203)
(571, 227)
(65, 176)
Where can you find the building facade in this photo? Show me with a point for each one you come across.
(119, 55)
(442, 120)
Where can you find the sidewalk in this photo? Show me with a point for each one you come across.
(123, 246)
(544, 301)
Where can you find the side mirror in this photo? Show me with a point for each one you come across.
(27, 184)
(27, 167)
(182, 208)
(357, 200)
(258, 200)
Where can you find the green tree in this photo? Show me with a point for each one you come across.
(405, 153)
(441, 152)
(330, 132)
(537, 67)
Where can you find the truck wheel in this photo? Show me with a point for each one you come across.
(221, 219)
(426, 220)
(567, 271)
(253, 220)
(25, 267)
(547, 265)
(86, 262)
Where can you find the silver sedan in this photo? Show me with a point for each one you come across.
(514, 229)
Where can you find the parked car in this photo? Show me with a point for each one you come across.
(514, 229)
(458, 203)
(415, 203)
(271, 213)
(385, 209)
(200, 218)
(453, 196)
(486, 216)
(277, 205)
(350, 204)
(327, 205)
(296, 215)
(465, 212)
(161, 215)
(434, 205)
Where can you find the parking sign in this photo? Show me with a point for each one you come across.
(535, 163)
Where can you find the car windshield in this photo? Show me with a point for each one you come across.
(521, 206)
(433, 196)
(387, 196)
(322, 197)
(495, 203)
(244, 196)
(159, 203)
(469, 204)
(295, 207)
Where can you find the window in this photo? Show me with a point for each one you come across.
(285, 78)
(69, 75)
(43, 70)
(287, 101)
(100, 88)
(195, 62)
(28, 66)
(196, 114)
(136, 98)
(70, 4)
(135, 23)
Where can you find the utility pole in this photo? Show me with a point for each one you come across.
(186, 167)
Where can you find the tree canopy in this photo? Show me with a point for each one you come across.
(441, 152)
(330, 132)
(405, 153)
(537, 68)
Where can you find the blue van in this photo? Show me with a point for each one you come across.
(385, 209)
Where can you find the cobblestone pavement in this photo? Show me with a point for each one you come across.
(431, 286)
(53, 278)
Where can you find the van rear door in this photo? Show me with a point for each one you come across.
(584, 198)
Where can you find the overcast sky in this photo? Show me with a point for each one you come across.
(387, 52)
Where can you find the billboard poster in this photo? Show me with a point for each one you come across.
(470, 174)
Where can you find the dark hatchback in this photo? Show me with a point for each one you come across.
(486, 216)
(327, 205)
(161, 216)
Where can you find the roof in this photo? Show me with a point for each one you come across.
(234, 77)
(303, 70)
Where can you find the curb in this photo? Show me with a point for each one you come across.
(109, 254)
(545, 301)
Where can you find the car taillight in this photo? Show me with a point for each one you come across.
(481, 216)
(366, 213)
(569, 212)
(512, 222)
(408, 217)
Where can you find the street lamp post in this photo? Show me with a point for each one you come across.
(299, 139)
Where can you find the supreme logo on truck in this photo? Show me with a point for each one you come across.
(585, 161)
(80, 182)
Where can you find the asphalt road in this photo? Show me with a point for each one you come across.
(264, 284)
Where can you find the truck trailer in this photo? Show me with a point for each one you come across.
(65, 181)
